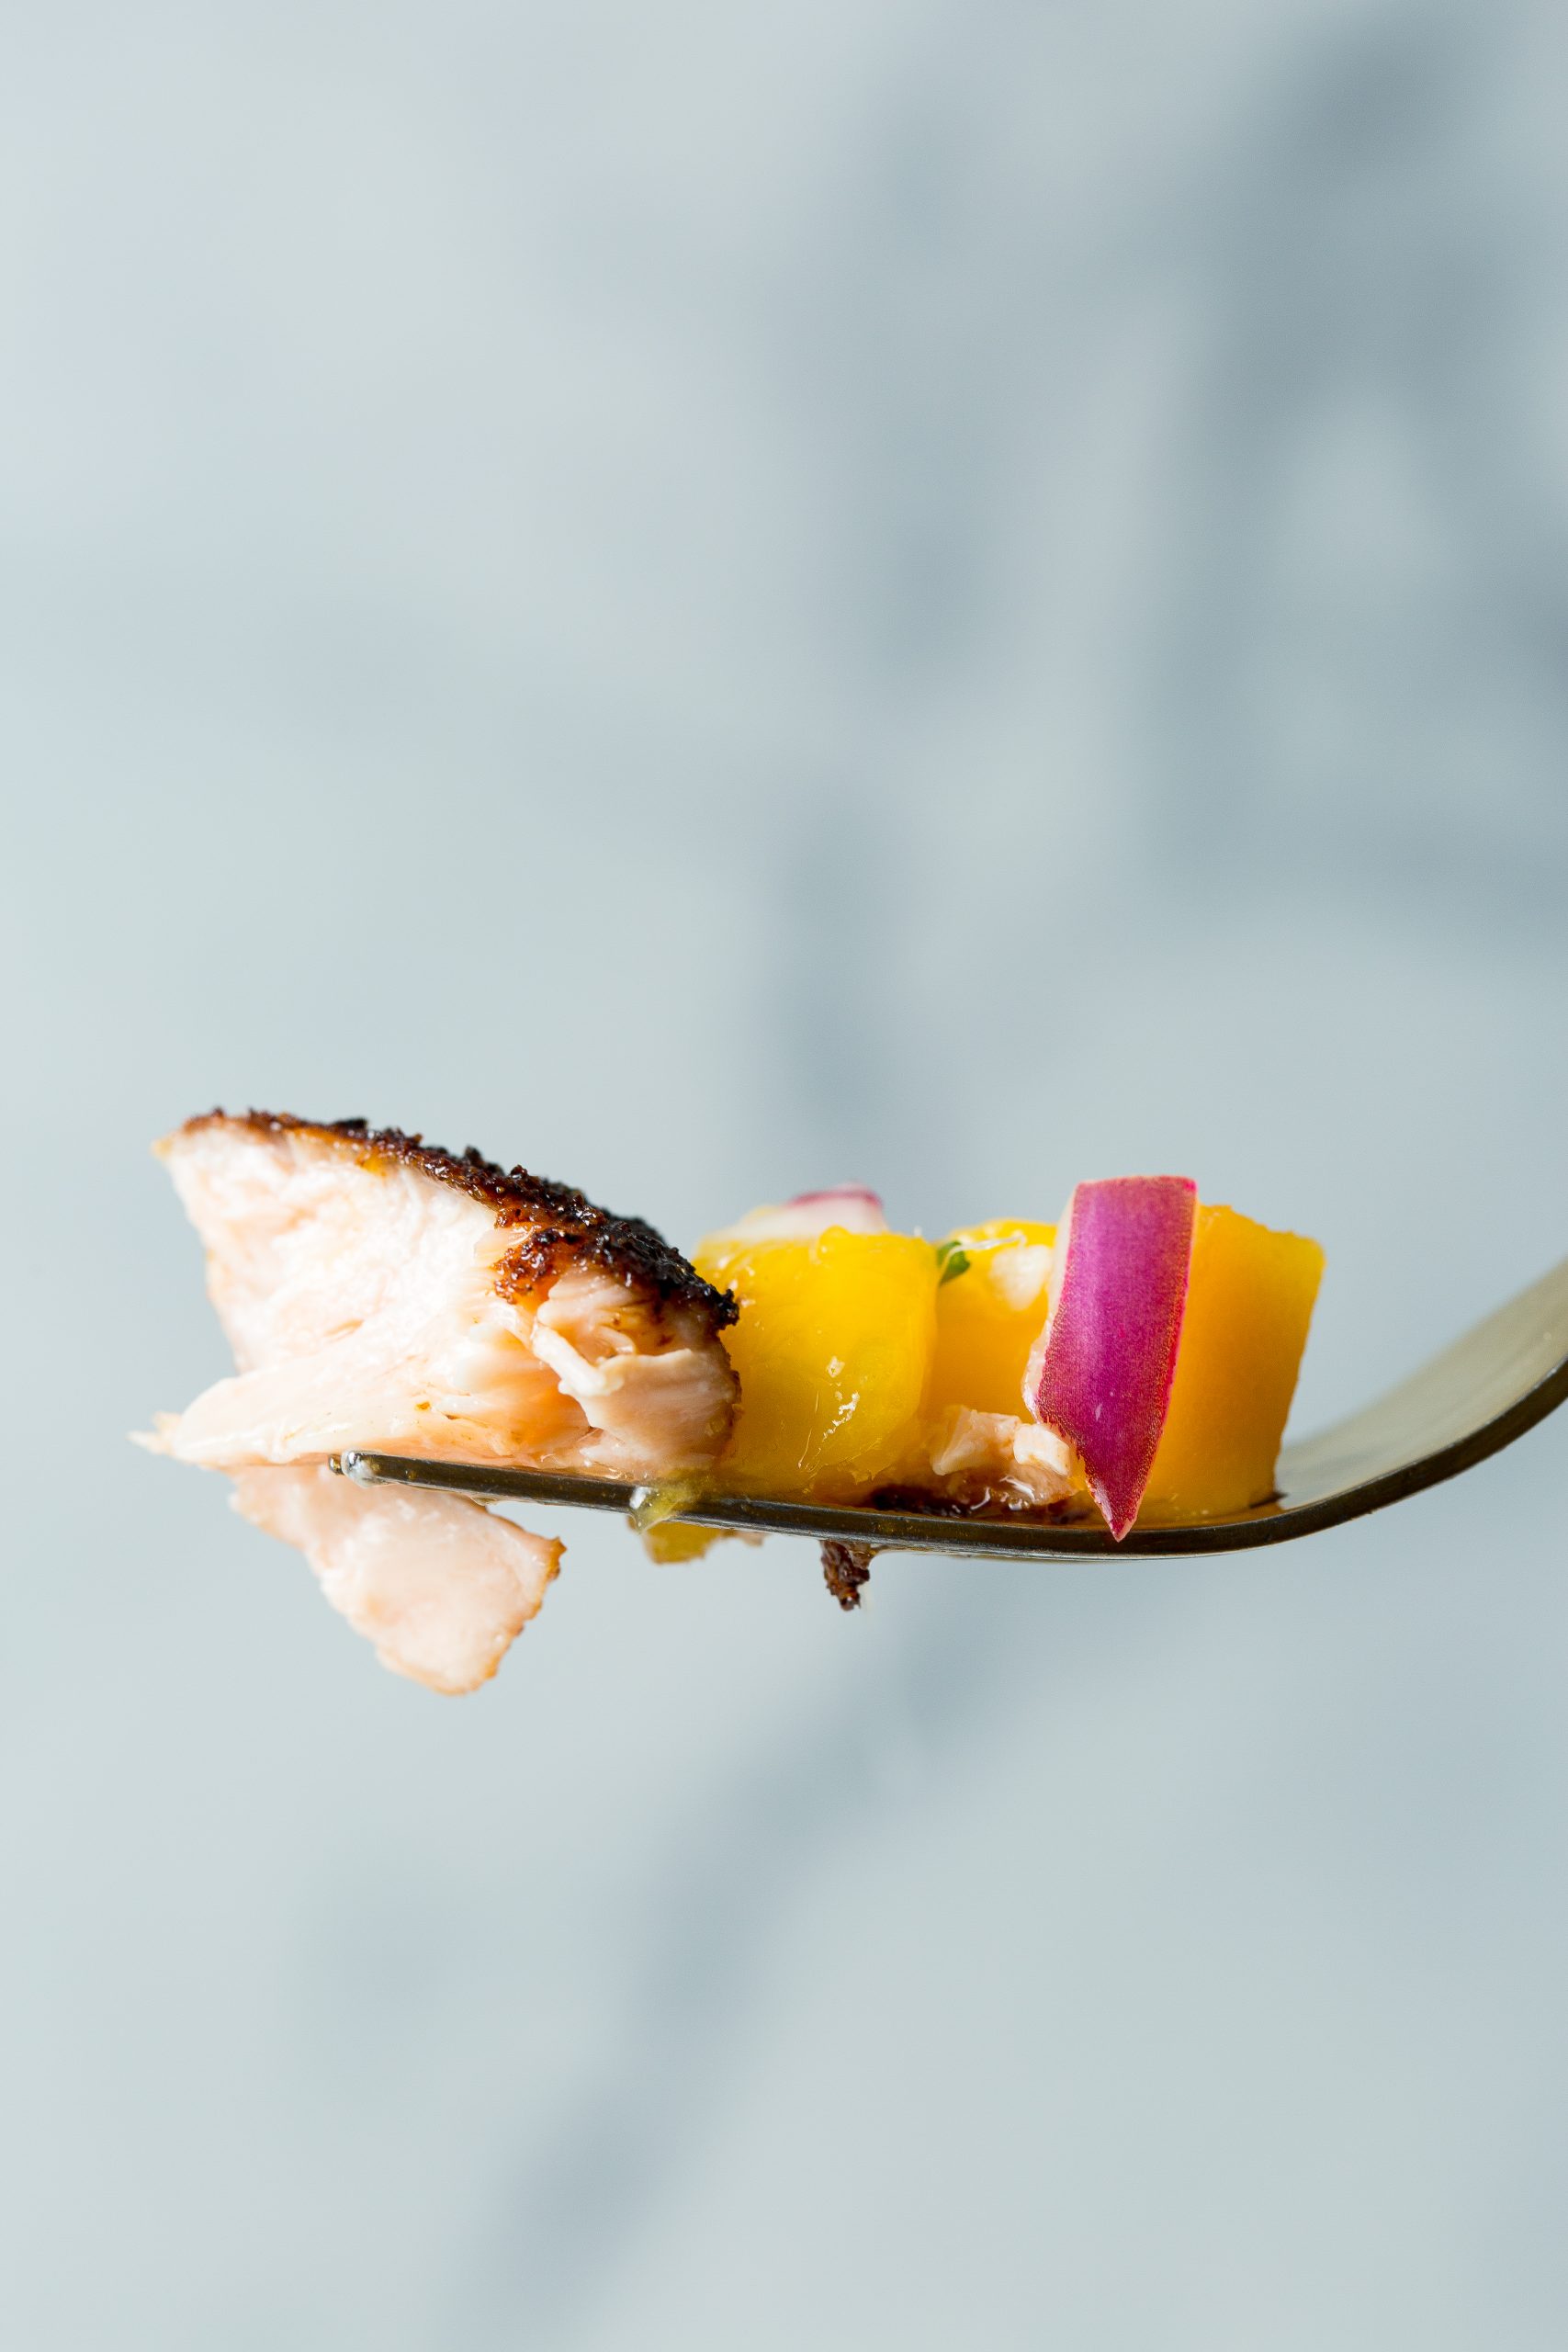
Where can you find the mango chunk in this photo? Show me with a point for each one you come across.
(833, 1348)
(671, 1543)
(1249, 1304)
(991, 1309)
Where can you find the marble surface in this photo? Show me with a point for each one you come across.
(718, 599)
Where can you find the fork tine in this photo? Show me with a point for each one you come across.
(1469, 1401)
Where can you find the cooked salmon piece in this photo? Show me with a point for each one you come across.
(441, 1587)
(998, 1459)
(380, 1294)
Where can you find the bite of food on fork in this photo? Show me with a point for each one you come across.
(452, 1334)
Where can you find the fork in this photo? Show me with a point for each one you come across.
(1465, 1403)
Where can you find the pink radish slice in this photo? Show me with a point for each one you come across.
(1101, 1375)
(853, 1206)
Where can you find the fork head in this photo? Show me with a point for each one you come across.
(1469, 1401)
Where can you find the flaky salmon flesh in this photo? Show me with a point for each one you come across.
(380, 1294)
(441, 1587)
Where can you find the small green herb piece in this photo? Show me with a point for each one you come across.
(950, 1256)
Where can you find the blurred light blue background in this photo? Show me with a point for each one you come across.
(718, 598)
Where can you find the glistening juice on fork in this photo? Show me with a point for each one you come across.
(1134, 1360)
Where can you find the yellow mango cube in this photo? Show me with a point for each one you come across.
(991, 1309)
(833, 1348)
(1249, 1302)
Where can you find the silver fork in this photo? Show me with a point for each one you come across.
(1467, 1402)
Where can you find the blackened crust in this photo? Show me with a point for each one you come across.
(564, 1227)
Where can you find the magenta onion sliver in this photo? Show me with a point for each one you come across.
(1101, 1375)
(855, 1207)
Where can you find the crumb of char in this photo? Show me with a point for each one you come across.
(846, 1570)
